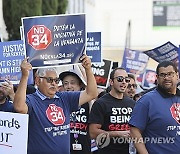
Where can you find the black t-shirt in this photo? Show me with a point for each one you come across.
(113, 114)
(79, 130)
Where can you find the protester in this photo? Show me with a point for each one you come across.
(79, 134)
(139, 92)
(156, 116)
(49, 111)
(110, 114)
(132, 86)
(6, 96)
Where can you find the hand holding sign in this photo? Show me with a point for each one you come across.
(86, 62)
(25, 67)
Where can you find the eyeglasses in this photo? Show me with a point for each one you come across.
(132, 85)
(169, 75)
(50, 80)
(121, 79)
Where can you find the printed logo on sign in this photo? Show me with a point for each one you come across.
(175, 111)
(39, 37)
(55, 114)
(102, 140)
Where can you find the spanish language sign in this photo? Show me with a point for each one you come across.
(11, 55)
(102, 72)
(54, 40)
(134, 61)
(93, 49)
(13, 133)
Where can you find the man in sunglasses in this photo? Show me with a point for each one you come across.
(110, 115)
(155, 121)
(132, 86)
(49, 111)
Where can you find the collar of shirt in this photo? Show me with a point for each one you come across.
(42, 96)
(165, 94)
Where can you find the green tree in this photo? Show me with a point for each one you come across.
(62, 6)
(14, 10)
(49, 7)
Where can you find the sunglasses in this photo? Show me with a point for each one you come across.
(121, 79)
(132, 85)
(50, 80)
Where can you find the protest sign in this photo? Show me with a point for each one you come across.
(55, 39)
(93, 49)
(149, 79)
(134, 61)
(167, 51)
(13, 133)
(11, 55)
(102, 72)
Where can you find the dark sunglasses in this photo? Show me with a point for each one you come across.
(50, 80)
(121, 79)
(132, 85)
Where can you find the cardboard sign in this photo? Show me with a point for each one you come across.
(55, 39)
(93, 49)
(11, 55)
(167, 51)
(134, 61)
(13, 133)
(102, 72)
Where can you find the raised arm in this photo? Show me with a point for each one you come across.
(91, 89)
(20, 97)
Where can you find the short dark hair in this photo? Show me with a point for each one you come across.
(131, 76)
(113, 72)
(166, 64)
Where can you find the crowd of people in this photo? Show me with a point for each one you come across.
(65, 120)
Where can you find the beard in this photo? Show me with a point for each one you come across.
(168, 88)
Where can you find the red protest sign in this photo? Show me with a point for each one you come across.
(39, 37)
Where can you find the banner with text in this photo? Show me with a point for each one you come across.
(102, 72)
(11, 55)
(134, 61)
(55, 39)
(93, 49)
(167, 51)
(13, 133)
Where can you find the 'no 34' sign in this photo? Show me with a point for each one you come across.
(39, 37)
